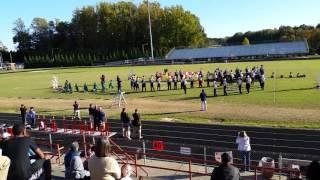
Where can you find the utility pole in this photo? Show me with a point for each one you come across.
(150, 31)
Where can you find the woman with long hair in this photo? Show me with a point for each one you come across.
(244, 147)
(101, 165)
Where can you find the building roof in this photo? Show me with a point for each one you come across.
(269, 49)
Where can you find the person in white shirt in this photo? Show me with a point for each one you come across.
(244, 147)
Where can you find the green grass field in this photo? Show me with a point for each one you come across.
(294, 103)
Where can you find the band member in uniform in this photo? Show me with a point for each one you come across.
(225, 84)
(136, 83)
(169, 82)
(200, 81)
(102, 82)
(184, 85)
(208, 79)
(215, 87)
(192, 80)
(175, 83)
(158, 84)
(151, 83)
(262, 79)
(248, 84)
(143, 82)
(239, 82)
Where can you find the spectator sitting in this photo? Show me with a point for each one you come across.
(17, 149)
(4, 167)
(74, 165)
(90, 153)
(225, 170)
(126, 172)
(101, 165)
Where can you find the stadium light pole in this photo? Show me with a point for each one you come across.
(274, 88)
(150, 30)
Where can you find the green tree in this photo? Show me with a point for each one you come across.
(21, 36)
(245, 41)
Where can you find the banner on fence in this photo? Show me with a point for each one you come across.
(158, 145)
(217, 156)
(185, 150)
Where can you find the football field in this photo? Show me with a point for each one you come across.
(285, 102)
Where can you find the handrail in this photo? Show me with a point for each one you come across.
(126, 154)
(189, 160)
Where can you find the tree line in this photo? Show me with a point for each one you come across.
(118, 31)
(283, 33)
(106, 32)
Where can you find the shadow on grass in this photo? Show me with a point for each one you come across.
(177, 112)
(296, 89)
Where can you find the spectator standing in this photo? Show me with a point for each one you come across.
(225, 171)
(17, 149)
(101, 165)
(124, 117)
(23, 113)
(74, 165)
(76, 110)
(91, 114)
(203, 98)
(243, 141)
(31, 117)
(102, 118)
(136, 124)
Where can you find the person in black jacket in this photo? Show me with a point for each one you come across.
(225, 171)
(124, 117)
(23, 112)
(203, 98)
(136, 125)
(21, 149)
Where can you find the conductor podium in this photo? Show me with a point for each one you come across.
(119, 100)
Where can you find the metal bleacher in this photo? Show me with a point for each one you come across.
(269, 49)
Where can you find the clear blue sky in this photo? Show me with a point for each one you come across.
(220, 18)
